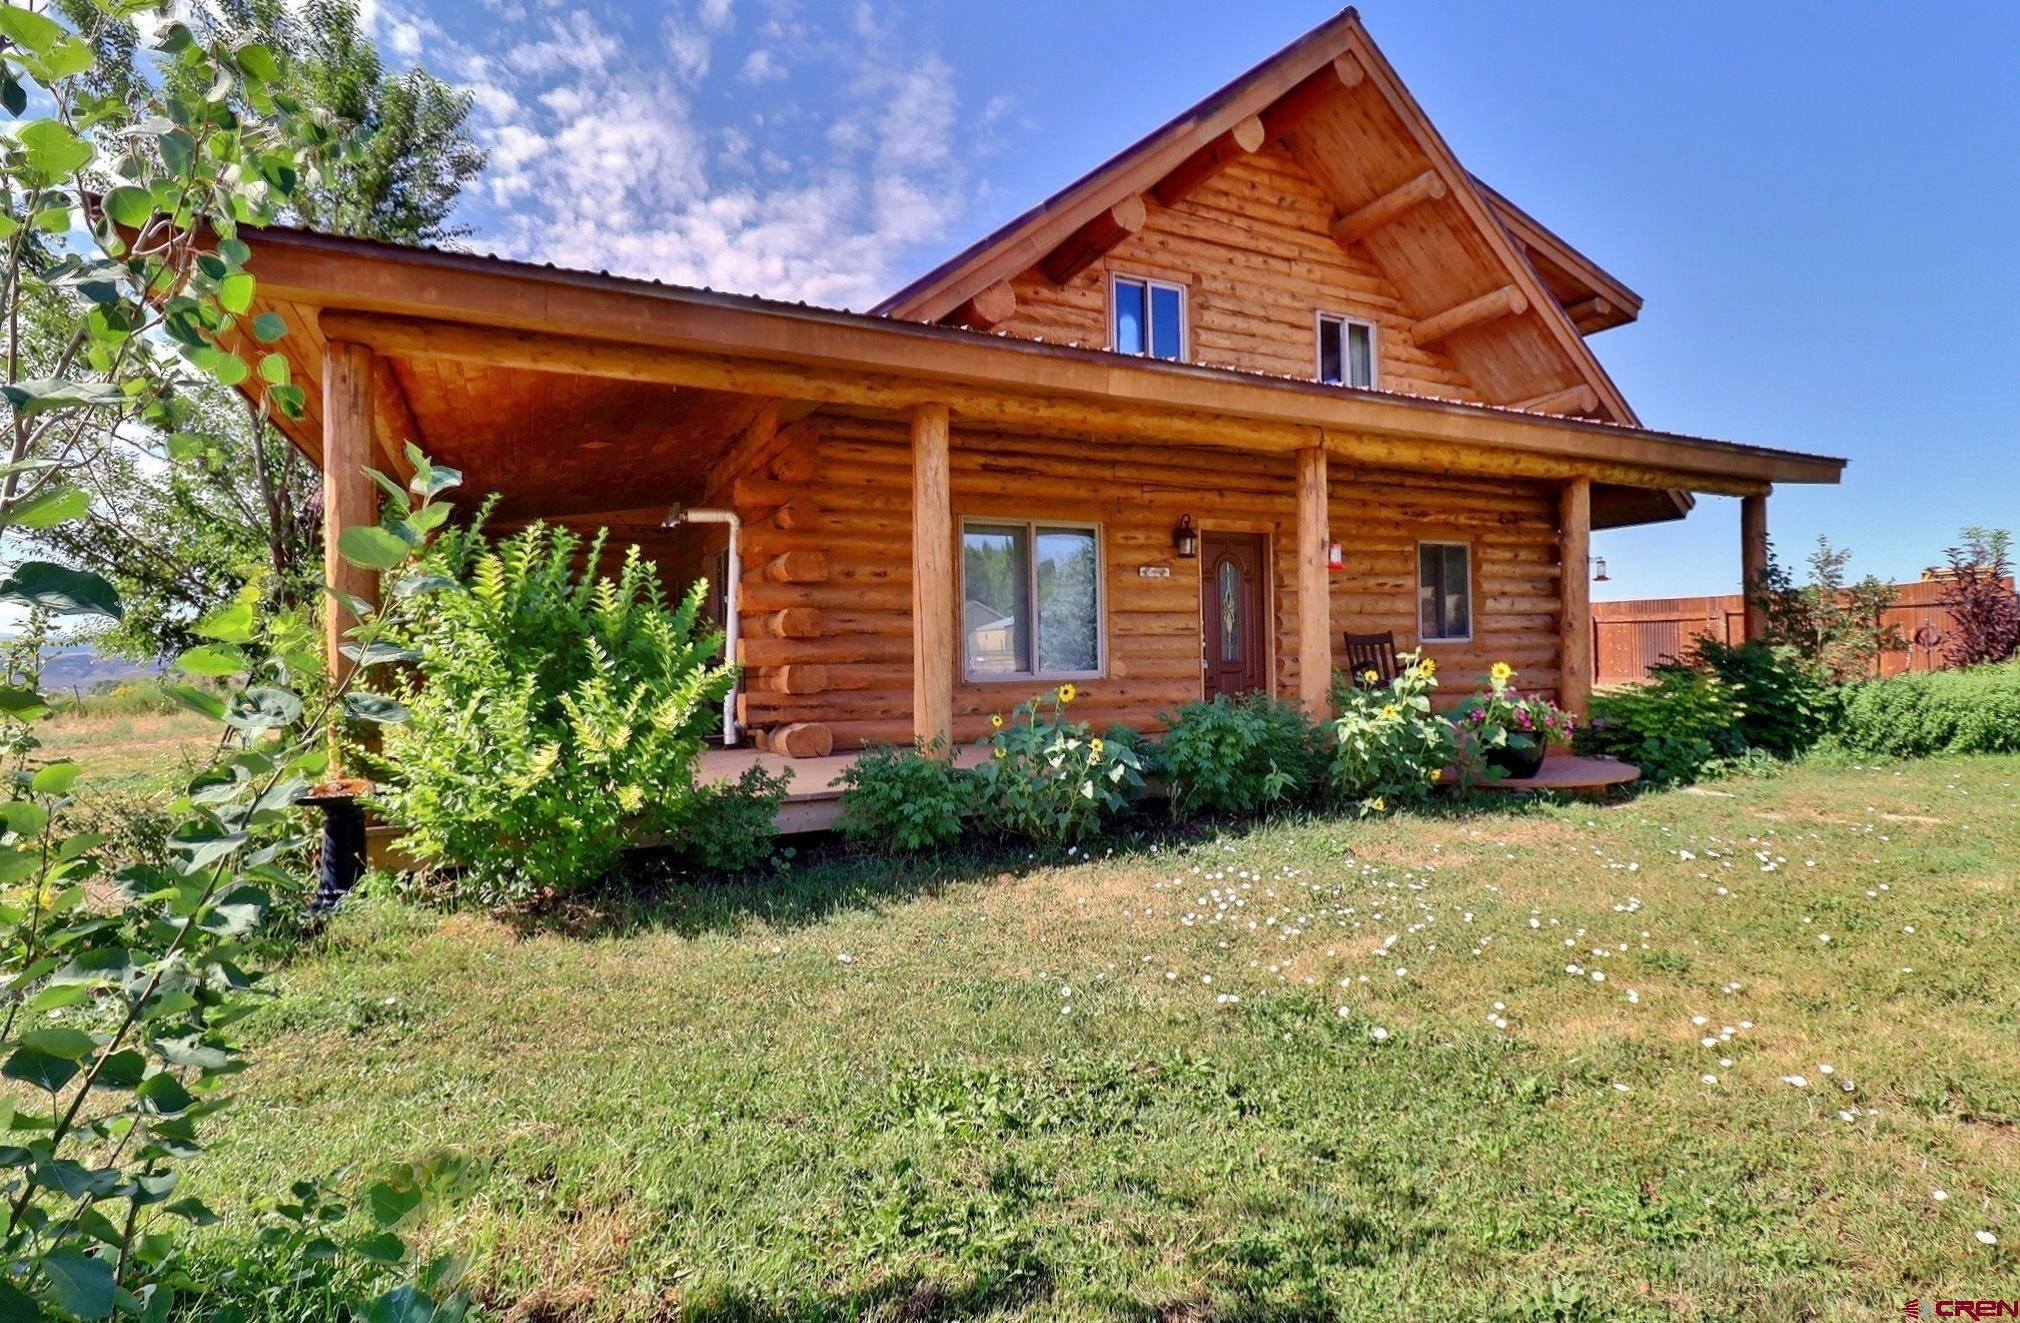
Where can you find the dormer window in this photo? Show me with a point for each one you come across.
(1346, 350)
(1148, 317)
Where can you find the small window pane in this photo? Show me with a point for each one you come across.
(1360, 355)
(1329, 351)
(995, 622)
(1129, 314)
(1230, 611)
(1068, 618)
(1444, 595)
(1167, 318)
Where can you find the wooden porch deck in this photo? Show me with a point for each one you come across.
(814, 801)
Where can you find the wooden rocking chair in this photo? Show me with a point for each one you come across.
(1371, 652)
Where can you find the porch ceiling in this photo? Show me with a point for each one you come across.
(548, 443)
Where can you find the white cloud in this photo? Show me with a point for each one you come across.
(612, 153)
(760, 67)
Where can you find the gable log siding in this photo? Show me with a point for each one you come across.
(1253, 247)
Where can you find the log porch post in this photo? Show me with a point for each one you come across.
(1753, 560)
(1315, 614)
(1574, 619)
(932, 577)
(349, 495)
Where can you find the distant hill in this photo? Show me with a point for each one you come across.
(79, 667)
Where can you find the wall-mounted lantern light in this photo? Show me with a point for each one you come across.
(1184, 539)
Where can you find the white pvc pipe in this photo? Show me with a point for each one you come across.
(674, 519)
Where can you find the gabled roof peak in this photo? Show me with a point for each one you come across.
(1332, 99)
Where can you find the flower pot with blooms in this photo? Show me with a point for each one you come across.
(1511, 731)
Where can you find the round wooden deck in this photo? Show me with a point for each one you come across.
(1569, 774)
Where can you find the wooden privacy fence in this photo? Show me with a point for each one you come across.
(1630, 637)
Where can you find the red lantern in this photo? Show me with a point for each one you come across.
(1335, 559)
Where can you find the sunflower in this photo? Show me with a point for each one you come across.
(1427, 667)
(1378, 804)
(1431, 775)
(1390, 712)
(1370, 677)
(1501, 671)
(1067, 693)
(996, 720)
(1002, 752)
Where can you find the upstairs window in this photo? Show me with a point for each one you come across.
(1346, 351)
(1149, 317)
(1444, 592)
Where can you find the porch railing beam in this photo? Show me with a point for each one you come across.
(932, 577)
(349, 496)
(1574, 619)
(1315, 616)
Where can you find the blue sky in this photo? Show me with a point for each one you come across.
(1816, 200)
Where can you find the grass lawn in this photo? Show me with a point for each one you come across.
(134, 751)
(1708, 1055)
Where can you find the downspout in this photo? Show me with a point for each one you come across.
(679, 515)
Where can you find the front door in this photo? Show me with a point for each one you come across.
(1231, 603)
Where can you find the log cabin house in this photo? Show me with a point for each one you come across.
(1280, 371)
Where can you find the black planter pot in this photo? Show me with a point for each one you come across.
(1518, 764)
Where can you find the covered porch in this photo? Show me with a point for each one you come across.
(853, 450)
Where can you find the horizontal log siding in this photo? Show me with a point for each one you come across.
(861, 609)
(1380, 516)
(1254, 249)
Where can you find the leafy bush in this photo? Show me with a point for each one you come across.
(1840, 626)
(554, 714)
(1788, 701)
(1916, 715)
(1984, 613)
(1240, 755)
(1672, 728)
(904, 799)
(128, 957)
(1053, 780)
(1389, 747)
(732, 826)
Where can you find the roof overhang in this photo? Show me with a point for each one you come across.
(514, 316)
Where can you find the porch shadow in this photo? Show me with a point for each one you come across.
(655, 891)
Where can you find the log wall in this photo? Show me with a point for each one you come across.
(827, 634)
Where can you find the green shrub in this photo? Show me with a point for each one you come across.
(1789, 701)
(554, 714)
(732, 826)
(1052, 780)
(904, 799)
(1912, 716)
(1389, 747)
(1240, 755)
(1672, 728)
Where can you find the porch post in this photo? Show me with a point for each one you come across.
(1574, 619)
(349, 495)
(1315, 613)
(932, 577)
(1753, 560)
